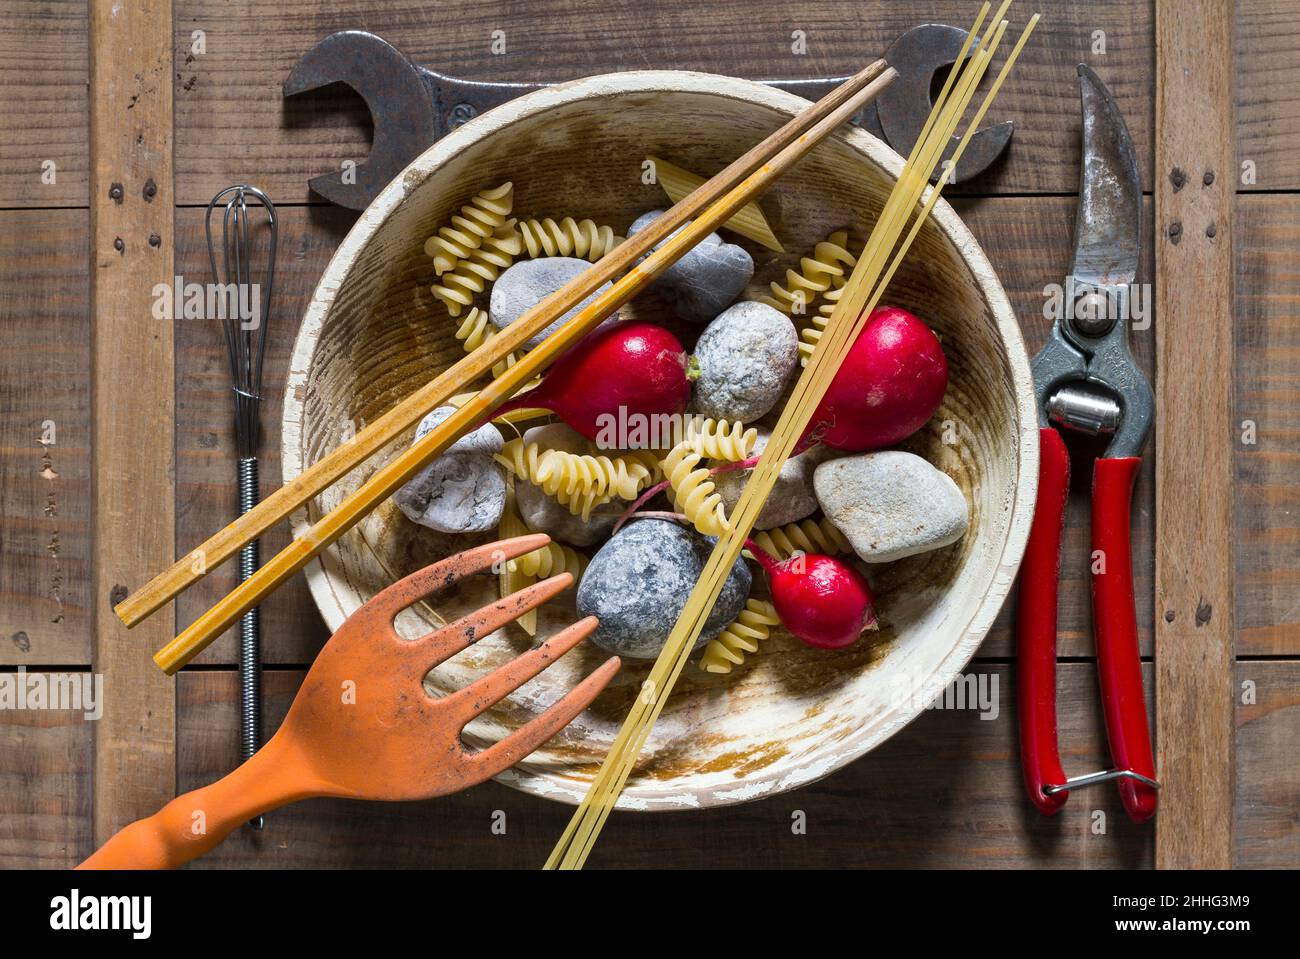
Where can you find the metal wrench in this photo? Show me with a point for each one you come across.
(414, 106)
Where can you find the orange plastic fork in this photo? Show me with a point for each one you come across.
(362, 725)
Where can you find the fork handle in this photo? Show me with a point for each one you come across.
(196, 822)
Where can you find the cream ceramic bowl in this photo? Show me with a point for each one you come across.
(791, 714)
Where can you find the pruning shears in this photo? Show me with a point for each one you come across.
(1085, 380)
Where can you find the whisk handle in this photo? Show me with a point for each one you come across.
(250, 627)
(250, 631)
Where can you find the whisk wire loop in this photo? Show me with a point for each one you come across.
(243, 303)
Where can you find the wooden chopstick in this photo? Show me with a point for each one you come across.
(346, 457)
(393, 475)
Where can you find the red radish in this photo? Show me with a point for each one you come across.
(823, 601)
(890, 383)
(632, 370)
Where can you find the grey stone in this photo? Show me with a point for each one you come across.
(746, 358)
(526, 283)
(464, 489)
(891, 504)
(639, 581)
(792, 497)
(543, 513)
(706, 280)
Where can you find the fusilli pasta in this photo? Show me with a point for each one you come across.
(471, 276)
(569, 237)
(622, 476)
(720, 439)
(811, 334)
(475, 331)
(741, 636)
(524, 461)
(483, 216)
(512, 577)
(826, 270)
(693, 493)
(550, 560)
(808, 536)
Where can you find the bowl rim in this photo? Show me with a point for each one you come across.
(657, 795)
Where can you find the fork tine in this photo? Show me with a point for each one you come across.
(483, 693)
(440, 575)
(447, 641)
(532, 734)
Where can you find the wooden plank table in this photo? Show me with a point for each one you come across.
(943, 792)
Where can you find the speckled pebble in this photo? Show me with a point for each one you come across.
(528, 282)
(639, 581)
(746, 358)
(792, 497)
(543, 513)
(464, 489)
(891, 504)
(706, 280)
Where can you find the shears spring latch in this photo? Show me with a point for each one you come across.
(1092, 779)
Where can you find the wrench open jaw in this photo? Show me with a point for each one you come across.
(411, 107)
(399, 102)
(900, 112)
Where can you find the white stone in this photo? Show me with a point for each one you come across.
(891, 504)
(746, 358)
(464, 489)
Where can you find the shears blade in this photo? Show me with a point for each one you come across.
(1108, 226)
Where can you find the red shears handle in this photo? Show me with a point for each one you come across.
(1040, 573)
(1115, 623)
(1114, 619)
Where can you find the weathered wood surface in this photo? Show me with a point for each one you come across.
(1266, 424)
(1267, 69)
(46, 784)
(46, 763)
(133, 395)
(944, 792)
(44, 152)
(231, 95)
(1267, 793)
(1194, 578)
(44, 486)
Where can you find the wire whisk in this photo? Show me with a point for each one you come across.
(244, 308)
